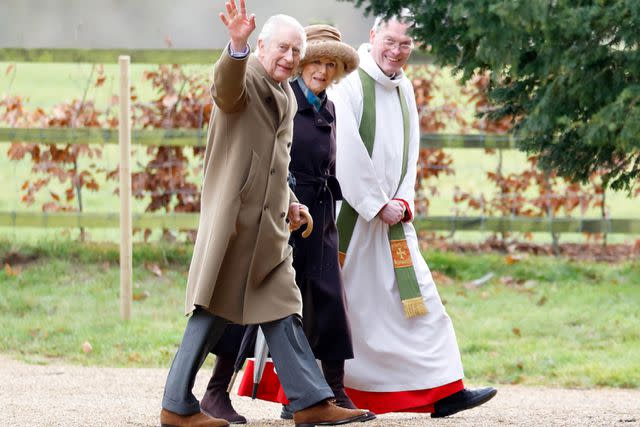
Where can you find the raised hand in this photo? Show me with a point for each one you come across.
(239, 26)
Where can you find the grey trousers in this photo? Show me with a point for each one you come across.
(299, 374)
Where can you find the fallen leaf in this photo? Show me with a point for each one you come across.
(86, 347)
(134, 357)
(11, 271)
(542, 301)
(513, 259)
(154, 268)
(516, 331)
(507, 280)
(139, 296)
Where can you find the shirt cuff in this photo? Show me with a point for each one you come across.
(238, 55)
(408, 215)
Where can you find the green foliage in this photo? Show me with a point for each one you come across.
(567, 73)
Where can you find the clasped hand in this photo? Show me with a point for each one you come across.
(392, 213)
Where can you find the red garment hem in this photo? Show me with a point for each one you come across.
(403, 401)
(420, 401)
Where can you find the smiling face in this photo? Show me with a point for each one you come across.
(391, 46)
(281, 55)
(319, 74)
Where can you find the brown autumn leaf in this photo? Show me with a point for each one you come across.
(134, 357)
(513, 259)
(141, 296)
(542, 301)
(12, 271)
(516, 332)
(508, 280)
(100, 80)
(86, 347)
(153, 268)
(10, 69)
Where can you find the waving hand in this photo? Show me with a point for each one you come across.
(239, 26)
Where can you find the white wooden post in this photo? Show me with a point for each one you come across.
(126, 263)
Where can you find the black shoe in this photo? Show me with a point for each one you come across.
(286, 413)
(464, 399)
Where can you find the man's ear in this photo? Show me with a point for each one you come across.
(260, 47)
(372, 35)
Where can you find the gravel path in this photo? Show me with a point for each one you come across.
(63, 395)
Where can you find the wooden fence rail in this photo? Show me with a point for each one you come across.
(177, 221)
(198, 137)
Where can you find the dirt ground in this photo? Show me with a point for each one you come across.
(62, 395)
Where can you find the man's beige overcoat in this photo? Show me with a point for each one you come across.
(241, 268)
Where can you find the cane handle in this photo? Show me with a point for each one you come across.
(305, 213)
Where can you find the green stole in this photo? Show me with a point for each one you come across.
(410, 296)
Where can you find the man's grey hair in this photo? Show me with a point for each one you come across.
(405, 16)
(277, 21)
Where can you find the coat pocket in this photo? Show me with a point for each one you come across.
(251, 176)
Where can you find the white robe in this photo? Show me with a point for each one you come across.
(392, 352)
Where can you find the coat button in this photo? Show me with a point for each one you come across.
(282, 214)
(288, 144)
(273, 171)
(266, 207)
(319, 121)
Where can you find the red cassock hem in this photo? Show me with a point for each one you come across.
(378, 402)
(403, 401)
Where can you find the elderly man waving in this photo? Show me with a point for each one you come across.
(241, 269)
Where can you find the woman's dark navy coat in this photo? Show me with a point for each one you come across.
(315, 259)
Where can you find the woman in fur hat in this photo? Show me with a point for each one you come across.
(313, 157)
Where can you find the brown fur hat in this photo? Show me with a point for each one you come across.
(325, 41)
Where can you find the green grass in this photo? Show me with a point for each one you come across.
(555, 323)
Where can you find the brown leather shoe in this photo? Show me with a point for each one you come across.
(171, 419)
(326, 413)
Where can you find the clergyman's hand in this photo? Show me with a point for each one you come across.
(238, 25)
(392, 213)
